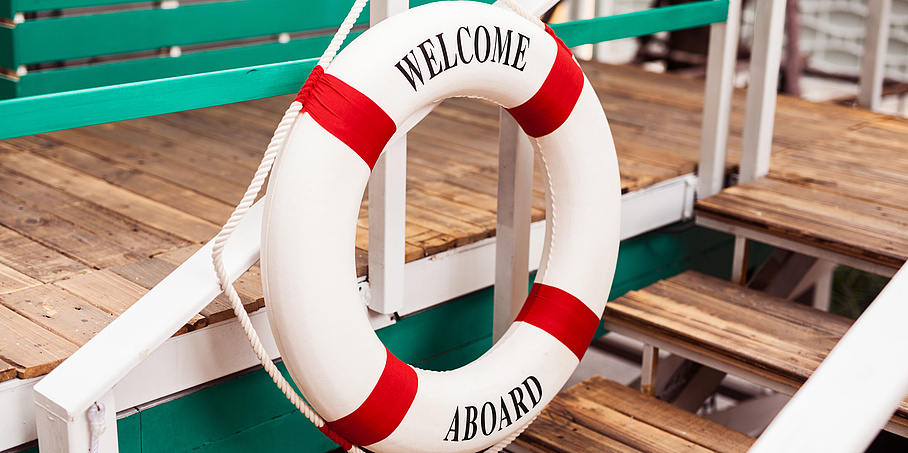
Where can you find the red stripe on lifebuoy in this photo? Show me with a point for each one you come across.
(384, 409)
(350, 116)
(562, 315)
(550, 107)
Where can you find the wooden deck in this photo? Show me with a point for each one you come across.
(91, 218)
(842, 198)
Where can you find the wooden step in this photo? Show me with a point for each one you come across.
(770, 341)
(599, 415)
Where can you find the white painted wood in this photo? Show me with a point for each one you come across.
(512, 253)
(739, 260)
(720, 73)
(853, 393)
(795, 246)
(387, 205)
(603, 50)
(873, 62)
(761, 94)
(819, 276)
(658, 205)
(63, 396)
(581, 10)
(17, 419)
(649, 369)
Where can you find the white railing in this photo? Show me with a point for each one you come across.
(873, 62)
(854, 392)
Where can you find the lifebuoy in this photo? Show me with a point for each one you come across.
(411, 60)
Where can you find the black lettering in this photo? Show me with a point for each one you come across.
(517, 399)
(492, 417)
(501, 49)
(523, 43)
(469, 422)
(455, 425)
(505, 416)
(414, 70)
(444, 53)
(460, 45)
(534, 397)
(430, 58)
(488, 44)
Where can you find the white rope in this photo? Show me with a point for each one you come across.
(255, 186)
(523, 13)
(96, 426)
(220, 241)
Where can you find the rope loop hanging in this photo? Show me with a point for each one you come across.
(542, 112)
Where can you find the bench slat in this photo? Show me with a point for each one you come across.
(48, 40)
(128, 71)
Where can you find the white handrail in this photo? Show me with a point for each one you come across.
(853, 393)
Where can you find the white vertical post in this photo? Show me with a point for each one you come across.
(761, 95)
(603, 50)
(580, 10)
(62, 431)
(720, 72)
(873, 62)
(649, 369)
(515, 186)
(387, 205)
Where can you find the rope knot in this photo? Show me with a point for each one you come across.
(306, 91)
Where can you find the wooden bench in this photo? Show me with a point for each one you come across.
(767, 340)
(841, 198)
(599, 415)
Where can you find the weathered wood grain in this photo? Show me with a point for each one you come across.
(62, 313)
(599, 415)
(32, 349)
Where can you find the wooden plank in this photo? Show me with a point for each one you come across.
(617, 426)
(554, 433)
(659, 414)
(147, 186)
(7, 371)
(32, 349)
(85, 215)
(62, 236)
(34, 260)
(104, 289)
(815, 217)
(59, 312)
(103, 140)
(126, 203)
(734, 342)
(12, 280)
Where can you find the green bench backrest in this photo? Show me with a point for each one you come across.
(212, 84)
(129, 39)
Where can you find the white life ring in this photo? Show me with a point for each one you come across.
(409, 61)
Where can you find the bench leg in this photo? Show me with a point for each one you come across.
(650, 366)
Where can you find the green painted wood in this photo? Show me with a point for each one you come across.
(36, 114)
(27, 116)
(8, 47)
(10, 7)
(642, 23)
(130, 31)
(82, 77)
